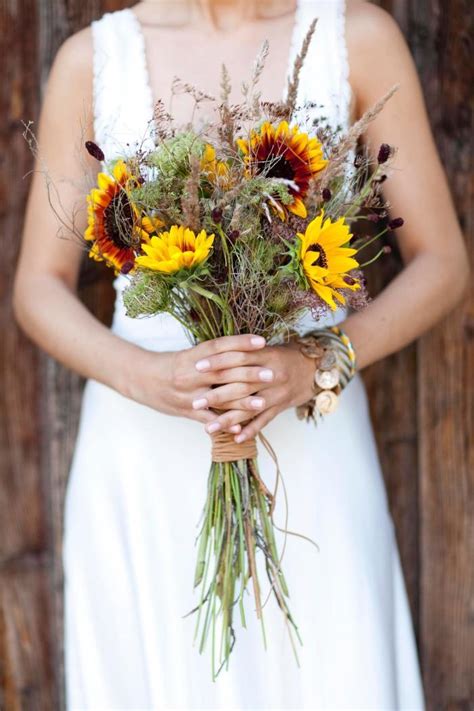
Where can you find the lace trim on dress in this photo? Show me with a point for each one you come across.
(101, 105)
(141, 65)
(123, 102)
(329, 81)
(345, 88)
(295, 44)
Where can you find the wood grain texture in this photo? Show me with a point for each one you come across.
(27, 677)
(445, 402)
(421, 398)
(440, 34)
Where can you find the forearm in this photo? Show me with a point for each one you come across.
(413, 302)
(55, 319)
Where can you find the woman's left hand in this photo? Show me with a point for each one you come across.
(290, 385)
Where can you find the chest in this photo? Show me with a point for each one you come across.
(135, 65)
(196, 58)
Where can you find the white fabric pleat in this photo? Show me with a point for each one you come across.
(137, 484)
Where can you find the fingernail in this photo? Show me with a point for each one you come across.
(199, 404)
(257, 341)
(240, 438)
(202, 365)
(213, 427)
(235, 428)
(257, 402)
(266, 375)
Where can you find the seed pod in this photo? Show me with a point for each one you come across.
(384, 153)
(216, 215)
(396, 222)
(127, 267)
(94, 150)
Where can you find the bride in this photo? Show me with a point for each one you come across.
(138, 474)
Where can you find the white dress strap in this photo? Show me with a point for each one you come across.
(324, 78)
(121, 93)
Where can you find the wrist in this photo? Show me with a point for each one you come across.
(333, 359)
(304, 369)
(130, 365)
(351, 327)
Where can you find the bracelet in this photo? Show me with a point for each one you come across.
(335, 358)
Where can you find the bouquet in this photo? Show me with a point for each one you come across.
(240, 227)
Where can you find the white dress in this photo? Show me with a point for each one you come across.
(137, 486)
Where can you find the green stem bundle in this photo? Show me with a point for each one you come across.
(237, 524)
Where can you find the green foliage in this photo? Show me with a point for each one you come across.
(147, 294)
(173, 155)
(172, 166)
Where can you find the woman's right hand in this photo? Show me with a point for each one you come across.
(170, 382)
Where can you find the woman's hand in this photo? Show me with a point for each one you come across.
(172, 381)
(266, 381)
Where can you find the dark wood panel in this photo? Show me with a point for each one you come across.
(29, 680)
(27, 646)
(40, 399)
(444, 35)
(440, 36)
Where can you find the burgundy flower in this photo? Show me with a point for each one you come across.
(384, 153)
(396, 222)
(127, 267)
(216, 215)
(94, 150)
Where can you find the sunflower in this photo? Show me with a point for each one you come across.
(115, 226)
(284, 152)
(180, 248)
(216, 171)
(147, 226)
(324, 259)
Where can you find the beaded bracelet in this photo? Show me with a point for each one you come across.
(335, 359)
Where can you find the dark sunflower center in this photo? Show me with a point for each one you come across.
(118, 220)
(321, 260)
(279, 168)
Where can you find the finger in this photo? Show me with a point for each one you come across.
(228, 421)
(230, 359)
(204, 416)
(208, 417)
(247, 374)
(255, 425)
(252, 403)
(272, 397)
(243, 342)
(224, 393)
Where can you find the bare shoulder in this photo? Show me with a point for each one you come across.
(76, 50)
(68, 96)
(365, 18)
(72, 66)
(379, 56)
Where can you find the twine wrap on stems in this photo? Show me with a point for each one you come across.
(226, 449)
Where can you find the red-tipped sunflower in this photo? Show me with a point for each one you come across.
(115, 226)
(284, 152)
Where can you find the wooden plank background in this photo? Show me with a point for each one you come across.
(421, 398)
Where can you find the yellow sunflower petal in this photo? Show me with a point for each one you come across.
(341, 265)
(177, 249)
(326, 293)
(298, 208)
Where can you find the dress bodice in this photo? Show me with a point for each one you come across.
(123, 109)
